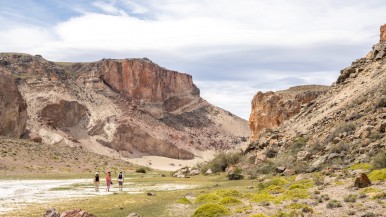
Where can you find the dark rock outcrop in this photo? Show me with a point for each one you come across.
(362, 181)
(13, 108)
(64, 114)
(131, 138)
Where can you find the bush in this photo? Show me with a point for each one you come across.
(264, 197)
(339, 148)
(184, 200)
(378, 175)
(350, 198)
(211, 210)
(333, 204)
(297, 144)
(221, 161)
(379, 160)
(206, 198)
(345, 127)
(363, 166)
(141, 170)
(230, 201)
(295, 194)
(381, 103)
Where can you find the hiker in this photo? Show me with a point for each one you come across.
(120, 180)
(96, 182)
(108, 181)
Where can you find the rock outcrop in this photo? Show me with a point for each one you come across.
(271, 109)
(141, 79)
(345, 124)
(13, 108)
(128, 107)
(382, 37)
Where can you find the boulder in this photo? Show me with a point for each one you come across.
(52, 212)
(194, 172)
(302, 176)
(260, 157)
(50, 137)
(208, 172)
(76, 213)
(13, 108)
(362, 181)
(303, 155)
(280, 169)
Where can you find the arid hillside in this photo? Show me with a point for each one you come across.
(343, 125)
(129, 108)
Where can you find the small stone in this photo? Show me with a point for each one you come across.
(208, 172)
(51, 213)
(280, 169)
(150, 194)
(133, 214)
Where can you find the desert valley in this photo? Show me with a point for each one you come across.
(311, 150)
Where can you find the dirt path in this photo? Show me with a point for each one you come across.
(20, 193)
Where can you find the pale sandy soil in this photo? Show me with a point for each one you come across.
(169, 164)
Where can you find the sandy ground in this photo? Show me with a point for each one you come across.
(20, 193)
(169, 164)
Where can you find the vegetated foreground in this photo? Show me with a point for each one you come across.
(326, 193)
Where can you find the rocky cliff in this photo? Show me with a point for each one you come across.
(344, 125)
(13, 108)
(271, 109)
(129, 107)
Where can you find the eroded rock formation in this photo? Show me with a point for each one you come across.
(64, 114)
(13, 108)
(271, 109)
(383, 33)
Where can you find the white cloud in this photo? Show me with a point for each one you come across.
(252, 45)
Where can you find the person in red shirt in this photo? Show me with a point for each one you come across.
(108, 181)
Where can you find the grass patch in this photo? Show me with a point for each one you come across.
(184, 200)
(211, 210)
(208, 198)
(228, 193)
(230, 201)
(369, 190)
(295, 194)
(378, 175)
(264, 197)
(363, 166)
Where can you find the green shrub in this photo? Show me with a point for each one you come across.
(221, 161)
(298, 143)
(333, 204)
(206, 198)
(141, 170)
(295, 194)
(258, 215)
(351, 198)
(380, 196)
(378, 175)
(339, 148)
(263, 197)
(318, 179)
(303, 184)
(348, 128)
(363, 166)
(381, 103)
(211, 210)
(230, 201)
(273, 189)
(379, 160)
(184, 200)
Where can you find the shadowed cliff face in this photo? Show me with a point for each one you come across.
(271, 109)
(143, 80)
(13, 108)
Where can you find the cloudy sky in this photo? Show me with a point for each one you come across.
(232, 48)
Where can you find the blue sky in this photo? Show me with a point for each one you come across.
(232, 48)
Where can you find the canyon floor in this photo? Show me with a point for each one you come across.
(313, 194)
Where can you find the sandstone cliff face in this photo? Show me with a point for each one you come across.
(383, 33)
(129, 107)
(13, 108)
(271, 109)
